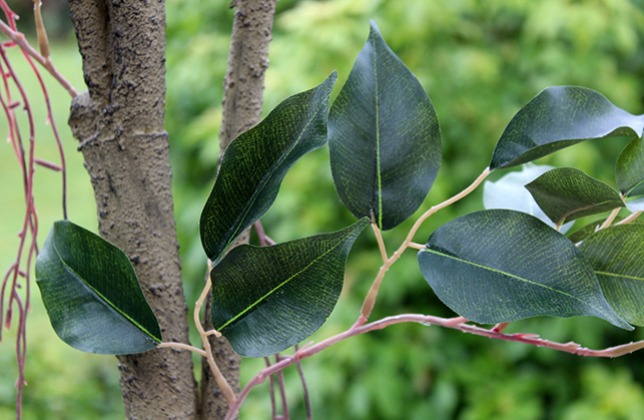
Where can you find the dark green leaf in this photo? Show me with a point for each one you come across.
(585, 231)
(502, 265)
(384, 137)
(267, 299)
(509, 192)
(566, 194)
(630, 169)
(256, 162)
(617, 255)
(559, 117)
(92, 295)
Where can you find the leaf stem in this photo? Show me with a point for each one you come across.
(223, 384)
(372, 295)
(381, 242)
(630, 218)
(181, 346)
(446, 203)
(610, 219)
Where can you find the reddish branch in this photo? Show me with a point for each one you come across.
(453, 323)
(18, 275)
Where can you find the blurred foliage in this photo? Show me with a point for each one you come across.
(480, 62)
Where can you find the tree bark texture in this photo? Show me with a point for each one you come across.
(119, 124)
(242, 107)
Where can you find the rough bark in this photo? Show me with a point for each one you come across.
(242, 106)
(119, 124)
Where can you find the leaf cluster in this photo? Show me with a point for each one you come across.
(493, 266)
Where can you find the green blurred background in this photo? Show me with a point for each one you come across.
(480, 62)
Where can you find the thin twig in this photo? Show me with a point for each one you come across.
(223, 384)
(305, 388)
(22, 42)
(282, 389)
(271, 389)
(453, 323)
(372, 295)
(630, 218)
(381, 242)
(264, 239)
(181, 346)
(610, 219)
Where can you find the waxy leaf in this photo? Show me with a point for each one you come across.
(585, 231)
(384, 137)
(255, 163)
(92, 295)
(566, 194)
(630, 169)
(617, 255)
(502, 265)
(559, 117)
(266, 299)
(509, 192)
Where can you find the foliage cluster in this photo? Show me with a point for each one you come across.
(481, 61)
(466, 51)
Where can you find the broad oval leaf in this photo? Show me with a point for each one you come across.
(500, 266)
(509, 192)
(267, 299)
(617, 255)
(558, 117)
(255, 163)
(566, 194)
(384, 138)
(92, 294)
(630, 169)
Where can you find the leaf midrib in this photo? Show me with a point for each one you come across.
(265, 180)
(581, 209)
(264, 297)
(103, 299)
(497, 271)
(614, 275)
(374, 62)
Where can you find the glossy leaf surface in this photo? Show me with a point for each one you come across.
(256, 162)
(92, 294)
(630, 169)
(559, 117)
(617, 255)
(509, 192)
(501, 266)
(384, 137)
(566, 194)
(266, 299)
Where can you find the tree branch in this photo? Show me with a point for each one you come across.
(458, 323)
(242, 105)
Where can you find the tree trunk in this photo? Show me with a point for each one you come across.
(243, 93)
(119, 123)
